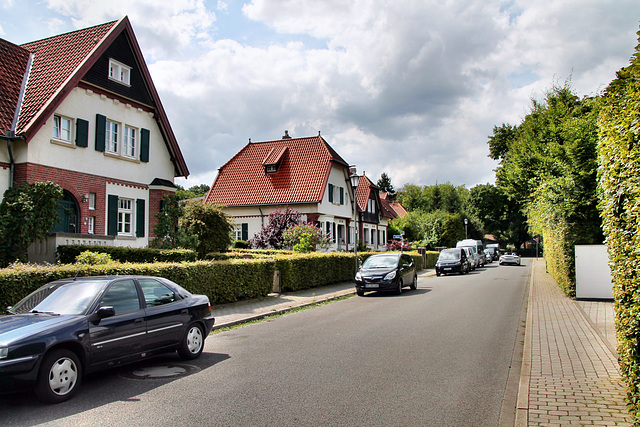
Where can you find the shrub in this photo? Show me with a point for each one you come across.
(93, 258)
(67, 254)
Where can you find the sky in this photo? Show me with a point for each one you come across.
(410, 88)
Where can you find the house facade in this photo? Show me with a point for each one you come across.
(373, 218)
(81, 110)
(304, 174)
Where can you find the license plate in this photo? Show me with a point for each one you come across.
(447, 268)
(371, 285)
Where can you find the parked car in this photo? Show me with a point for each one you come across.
(471, 258)
(477, 247)
(72, 327)
(488, 255)
(495, 250)
(511, 258)
(452, 261)
(390, 271)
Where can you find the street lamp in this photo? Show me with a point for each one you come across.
(466, 221)
(355, 180)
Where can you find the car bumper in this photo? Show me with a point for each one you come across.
(208, 324)
(446, 269)
(18, 374)
(383, 285)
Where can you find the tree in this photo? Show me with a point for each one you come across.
(271, 234)
(193, 192)
(27, 213)
(209, 224)
(169, 234)
(385, 186)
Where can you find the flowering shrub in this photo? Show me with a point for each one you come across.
(305, 238)
(396, 245)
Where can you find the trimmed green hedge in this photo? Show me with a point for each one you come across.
(223, 282)
(314, 269)
(619, 185)
(67, 254)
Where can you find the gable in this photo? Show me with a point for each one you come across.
(12, 72)
(98, 75)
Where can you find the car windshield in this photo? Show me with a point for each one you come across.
(449, 256)
(381, 261)
(61, 298)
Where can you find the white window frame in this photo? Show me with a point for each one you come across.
(125, 217)
(92, 201)
(58, 129)
(237, 232)
(130, 141)
(119, 72)
(112, 136)
(91, 223)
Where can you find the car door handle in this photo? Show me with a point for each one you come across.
(137, 321)
(185, 311)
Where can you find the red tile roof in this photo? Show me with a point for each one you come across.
(301, 177)
(387, 210)
(365, 186)
(12, 71)
(59, 63)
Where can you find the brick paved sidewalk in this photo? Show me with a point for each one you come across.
(569, 375)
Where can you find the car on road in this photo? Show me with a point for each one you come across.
(71, 327)
(489, 255)
(511, 258)
(390, 271)
(452, 260)
(476, 247)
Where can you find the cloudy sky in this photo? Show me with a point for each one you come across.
(412, 88)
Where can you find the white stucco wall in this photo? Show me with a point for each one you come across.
(85, 104)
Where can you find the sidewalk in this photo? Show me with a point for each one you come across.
(570, 374)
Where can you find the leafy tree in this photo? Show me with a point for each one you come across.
(209, 224)
(385, 186)
(27, 213)
(169, 234)
(313, 238)
(193, 192)
(271, 234)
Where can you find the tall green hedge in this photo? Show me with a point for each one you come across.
(619, 185)
(67, 253)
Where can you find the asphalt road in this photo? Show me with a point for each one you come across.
(437, 356)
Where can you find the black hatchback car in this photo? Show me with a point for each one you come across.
(452, 260)
(386, 272)
(72, 327)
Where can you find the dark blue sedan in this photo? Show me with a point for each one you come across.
(72, 327)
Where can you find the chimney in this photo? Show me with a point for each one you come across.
(286, 135)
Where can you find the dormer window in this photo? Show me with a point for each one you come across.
(272, 162)
(119, 72)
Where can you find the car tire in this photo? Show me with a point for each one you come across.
(414, 284)
(360, 292)
(60, 376)
(192, 343)
(399, 288)
(437, 274)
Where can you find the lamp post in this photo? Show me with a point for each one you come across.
(466, 221)
(355, 180)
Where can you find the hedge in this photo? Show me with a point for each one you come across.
(223, 282)
(67, 254)
(619, 185)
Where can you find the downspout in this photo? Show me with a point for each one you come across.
(261, 216)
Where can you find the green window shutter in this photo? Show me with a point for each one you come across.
(245, 231)
(112, 215)
(342, 195)
(101, 131)
(140, 217)
(82, 133)
(331, 193)
(144, 145)
(334, 232)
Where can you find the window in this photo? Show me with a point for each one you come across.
(155, 293)
(125, 216)
(119, 72)
(91, 224)
(61, 128)
(92, 201)
(111, 136)
(122, 296)
(130, 141)
(371, 206)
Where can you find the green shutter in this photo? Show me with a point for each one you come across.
(112, 215)
(101, 132)
(245, 231)
(82, 133)
(140, 217)
(144, 145)
(331, 193)
(342, 195)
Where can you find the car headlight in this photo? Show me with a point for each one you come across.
(390, 276)
(4, 352)
(358, 277)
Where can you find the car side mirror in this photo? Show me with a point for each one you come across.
(103, 313)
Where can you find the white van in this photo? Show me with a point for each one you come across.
(477, 247)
